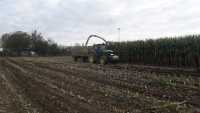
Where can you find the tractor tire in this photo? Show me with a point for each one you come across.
(103, 60)
(91, 59)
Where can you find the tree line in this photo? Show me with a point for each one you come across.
(171, 51)
(19, 43)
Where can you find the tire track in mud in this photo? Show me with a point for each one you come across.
(111, 107)
(125, 74)
(94, 92)
(47, 93)
(8, 102)
(76, 89)
(72, 73)
(16, 102)
(169, 94)
(191, 72)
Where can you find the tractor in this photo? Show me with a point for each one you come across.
(98, 53)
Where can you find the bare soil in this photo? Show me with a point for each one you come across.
(58, 85)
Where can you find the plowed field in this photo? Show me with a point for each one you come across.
(58, 85)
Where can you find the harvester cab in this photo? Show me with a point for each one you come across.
(103, 54)
(98, 53)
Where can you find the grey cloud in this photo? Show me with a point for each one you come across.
(71, 21)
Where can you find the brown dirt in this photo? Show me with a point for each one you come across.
(58, 85)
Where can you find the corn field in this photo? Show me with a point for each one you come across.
(174, 51)
(59, 85)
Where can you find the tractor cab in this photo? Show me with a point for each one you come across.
(101, 51)
(111, 56)
(98, 53)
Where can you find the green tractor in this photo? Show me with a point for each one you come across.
(97, 53)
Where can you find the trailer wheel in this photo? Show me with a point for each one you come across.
(75, 59)
(91, 59)
(85, 59)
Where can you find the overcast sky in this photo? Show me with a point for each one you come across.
(71, 21)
